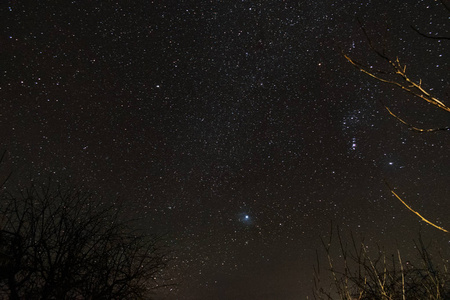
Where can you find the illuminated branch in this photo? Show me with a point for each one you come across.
(413, 127)
(408, 207)
(399, 78)
(408, 85)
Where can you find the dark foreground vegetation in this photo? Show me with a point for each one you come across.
(358, 271)
(58, 242)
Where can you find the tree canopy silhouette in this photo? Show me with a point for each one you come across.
(62, 243)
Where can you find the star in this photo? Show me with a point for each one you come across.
(245, 218)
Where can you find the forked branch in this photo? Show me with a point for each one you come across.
(399, 78)
(407, 84)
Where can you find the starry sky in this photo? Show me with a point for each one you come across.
(235, 127)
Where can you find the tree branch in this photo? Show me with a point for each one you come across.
(408, 207)
(434, 37)
(411, 126)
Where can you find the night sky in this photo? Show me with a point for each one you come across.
(235, 127)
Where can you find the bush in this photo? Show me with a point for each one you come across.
(358, 274)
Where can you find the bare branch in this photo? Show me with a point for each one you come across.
(434, 37)
(413, 127)
(446, 5)
(408, 85)
(408, 207)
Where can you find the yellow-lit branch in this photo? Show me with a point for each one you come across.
(420, 216)
(399, 78)
(409, 86)
(413, 127)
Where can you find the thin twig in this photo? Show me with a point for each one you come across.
(434, 37)
(403, 275)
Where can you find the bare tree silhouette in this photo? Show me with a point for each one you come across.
(62, 243)
(358, 271)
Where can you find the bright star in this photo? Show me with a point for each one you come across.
(245, 218)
